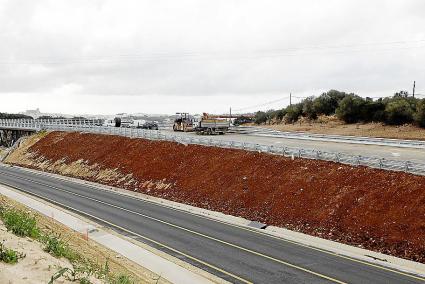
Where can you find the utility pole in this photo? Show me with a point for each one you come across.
(414, 85)
(230, 115)
(290, 99)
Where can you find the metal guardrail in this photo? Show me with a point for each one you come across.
(293, 152)
(37, 124)
(260, 131)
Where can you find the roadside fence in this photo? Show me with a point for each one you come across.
(292, 152)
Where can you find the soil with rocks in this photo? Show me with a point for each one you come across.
(375, 209)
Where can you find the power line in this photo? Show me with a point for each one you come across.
(267, 103)
(263, 104)
(212, 55)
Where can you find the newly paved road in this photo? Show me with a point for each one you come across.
(387, 152)
(233, 253)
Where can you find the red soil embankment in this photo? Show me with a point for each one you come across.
(379, 210)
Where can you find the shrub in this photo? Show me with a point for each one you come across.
(20, 223)
(260, 117)
(373, 111)
(241, 120)
(122, 279)
(350, 109)
(280, 114)
(9, 255)
(419, 115)
(398, 111)
(327, 103)
(308, 108)
(293, 112)
(57, 247)
(270, 114)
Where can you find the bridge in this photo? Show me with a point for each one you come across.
(13, 129)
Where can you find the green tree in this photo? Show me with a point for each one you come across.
(270, 114)
(293, 112)
(350, 109)
(373, 111)
(260, 117)
(328, 102)
(280, 114)
(308, 108)
(4, 115)
(419, 115)
(398, 111)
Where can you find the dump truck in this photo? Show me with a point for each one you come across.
(211, 125)
(204, 125)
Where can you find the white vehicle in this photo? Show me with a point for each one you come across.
(109, 123)
(137, 123)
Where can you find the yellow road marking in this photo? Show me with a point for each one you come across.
(196, 233)
(258, 232)
(264, 234)
(134, 233)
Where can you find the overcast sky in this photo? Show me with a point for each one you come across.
(163, 56)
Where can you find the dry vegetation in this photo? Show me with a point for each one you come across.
(332, 125)
(39, 266)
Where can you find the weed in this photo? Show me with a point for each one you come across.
(9, 255)
(57, 247)
(19, 222)
(103, 271)
(85, 281)
(58, 275)
(122, 279)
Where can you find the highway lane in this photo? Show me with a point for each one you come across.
(233, 253)
(387, 152)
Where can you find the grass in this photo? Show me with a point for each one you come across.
(57, 247)
(8, 255)
(22, 224)
(122, 279)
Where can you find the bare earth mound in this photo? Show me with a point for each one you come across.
(379, 210)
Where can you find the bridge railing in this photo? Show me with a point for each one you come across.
(38, 124)
(293, 152)
(267, 132)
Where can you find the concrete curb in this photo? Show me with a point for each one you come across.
(328, 246)
(132, 250)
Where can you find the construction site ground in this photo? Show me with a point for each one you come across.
(379, 210)
(332, 125)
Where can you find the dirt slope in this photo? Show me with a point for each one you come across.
(379, 210)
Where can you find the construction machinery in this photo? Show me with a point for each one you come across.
(211, 125)
(184, 122)
(204, 125)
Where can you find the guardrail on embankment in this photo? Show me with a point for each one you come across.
(267, 132)
(354, 160)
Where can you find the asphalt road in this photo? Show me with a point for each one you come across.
(234, 253)
(387, 152)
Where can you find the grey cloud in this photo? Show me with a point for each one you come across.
(209, 48)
